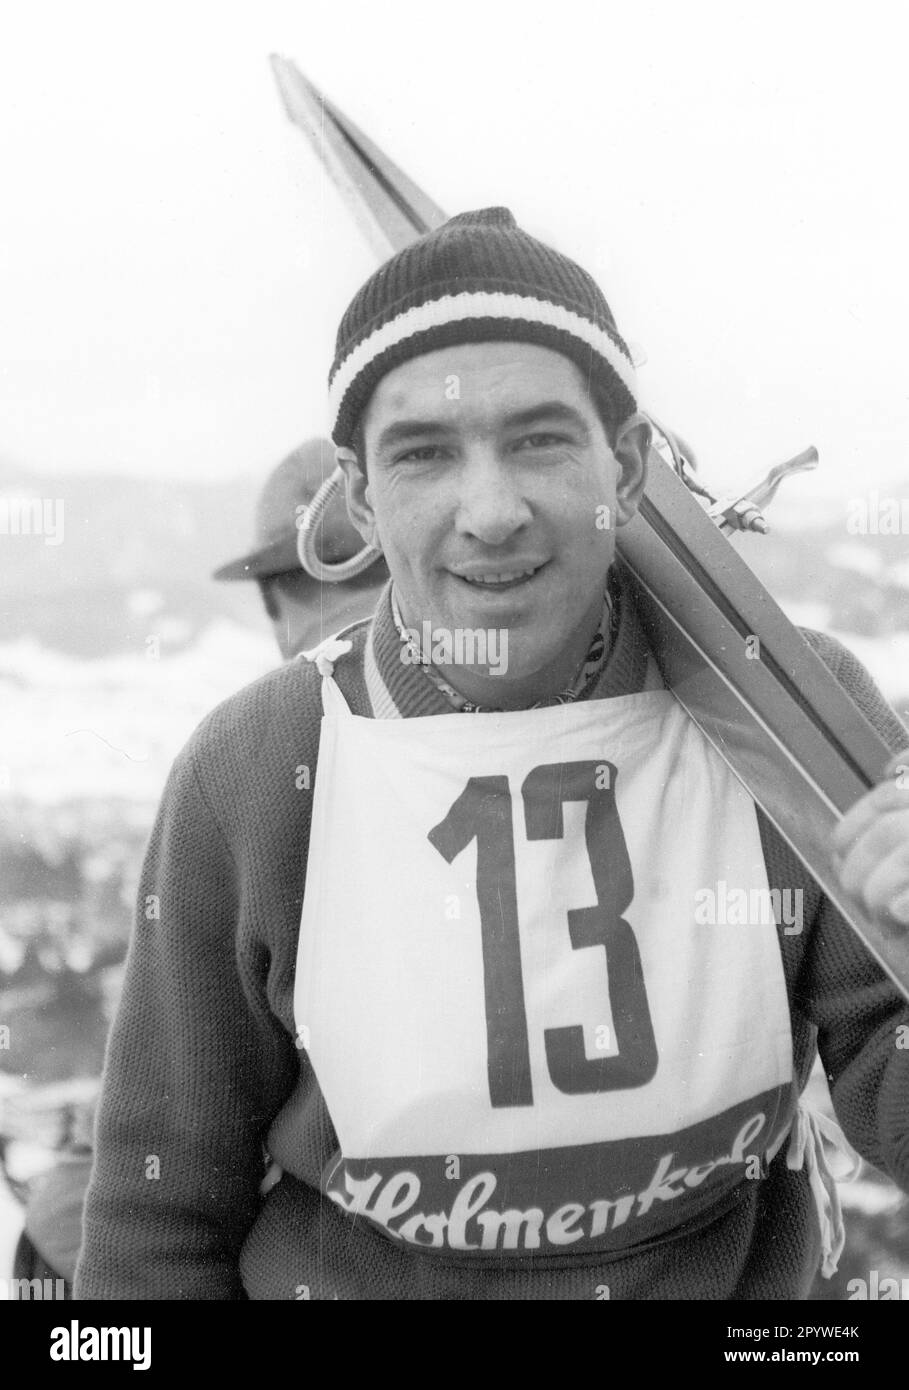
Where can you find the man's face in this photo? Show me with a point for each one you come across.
(495, 495)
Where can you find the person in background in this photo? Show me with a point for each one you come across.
(303, 611)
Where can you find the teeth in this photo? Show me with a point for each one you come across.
(505, 578)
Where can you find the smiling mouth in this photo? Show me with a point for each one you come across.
(499, 580)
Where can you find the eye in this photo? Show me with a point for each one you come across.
(424, 453)
(542, 440)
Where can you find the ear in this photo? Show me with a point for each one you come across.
(631, 449)
(358, 501)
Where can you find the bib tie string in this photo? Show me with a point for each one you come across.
(810, 1130)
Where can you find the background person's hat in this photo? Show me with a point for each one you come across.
(288, 488)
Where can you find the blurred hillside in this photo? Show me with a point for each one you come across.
(136, 558)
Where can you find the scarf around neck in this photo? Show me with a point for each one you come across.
(584, 678)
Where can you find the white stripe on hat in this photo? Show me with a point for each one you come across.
(454, 308)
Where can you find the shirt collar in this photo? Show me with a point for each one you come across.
(408, 691)
(588, 670)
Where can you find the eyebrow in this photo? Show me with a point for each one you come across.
(558, 411)
(548, 410)
(409, 429)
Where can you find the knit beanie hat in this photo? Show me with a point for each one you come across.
(477, 278)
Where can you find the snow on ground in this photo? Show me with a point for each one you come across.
(887, 658)
(111, 727)
(805, 613)
(850, 555)
(898, 574)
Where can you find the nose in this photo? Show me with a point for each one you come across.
(491, 505)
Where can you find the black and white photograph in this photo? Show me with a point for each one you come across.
(454, 665)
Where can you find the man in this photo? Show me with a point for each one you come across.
(302, 611)
(441, 954)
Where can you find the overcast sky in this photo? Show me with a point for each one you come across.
(173, 265)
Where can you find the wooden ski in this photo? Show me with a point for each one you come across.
(739, 667)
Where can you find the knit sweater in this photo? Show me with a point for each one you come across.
(202, 1068)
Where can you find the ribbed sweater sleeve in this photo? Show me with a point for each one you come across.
(862, 1020)
(196, 1067)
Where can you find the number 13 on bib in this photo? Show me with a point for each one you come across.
(526, 1040)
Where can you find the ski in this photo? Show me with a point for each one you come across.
(743, 672)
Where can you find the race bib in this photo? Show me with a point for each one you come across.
(532, 1033)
